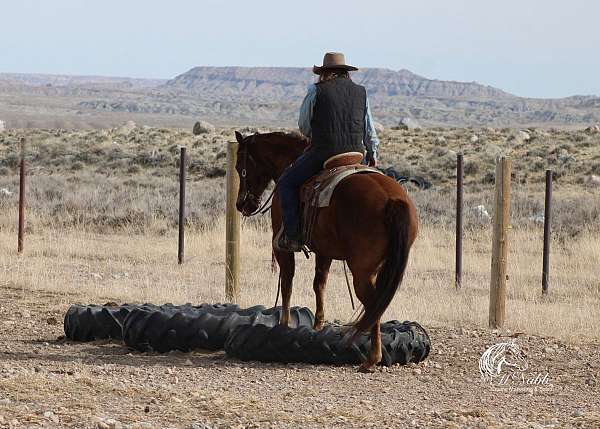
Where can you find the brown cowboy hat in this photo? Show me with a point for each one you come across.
(333, 61)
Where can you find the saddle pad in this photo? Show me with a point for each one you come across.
(326, 192)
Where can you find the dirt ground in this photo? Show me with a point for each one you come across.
(46, 381)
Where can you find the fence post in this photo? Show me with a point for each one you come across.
(232, 227)
(547, 221)
(459, 219)
(497, 313)
(20, 239)
(182, 180)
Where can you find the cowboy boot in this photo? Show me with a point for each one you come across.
(288, 243)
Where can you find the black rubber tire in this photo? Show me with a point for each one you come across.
(95, 322)
(420, 182)
(165, 330)
(401, 343)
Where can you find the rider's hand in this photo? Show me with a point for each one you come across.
(308, 146)
(372, 160)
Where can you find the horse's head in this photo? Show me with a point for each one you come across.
(514, 357)
(501, 357)
(254, 179)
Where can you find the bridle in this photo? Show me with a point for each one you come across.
(249, 196)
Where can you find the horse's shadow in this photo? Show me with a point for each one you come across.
(114, 352)
(100, 352)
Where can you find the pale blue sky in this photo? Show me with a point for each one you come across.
(542, 48)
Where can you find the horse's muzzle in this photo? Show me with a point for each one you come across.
(248, 206)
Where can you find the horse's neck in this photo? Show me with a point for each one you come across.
(284, 155)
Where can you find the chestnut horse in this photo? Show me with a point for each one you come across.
(371, 223)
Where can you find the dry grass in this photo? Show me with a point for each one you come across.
(143, 151)
(148, 205)
(130, 267)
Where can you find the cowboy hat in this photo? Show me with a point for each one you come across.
(333, 61)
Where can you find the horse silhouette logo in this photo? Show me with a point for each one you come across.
(500, 359)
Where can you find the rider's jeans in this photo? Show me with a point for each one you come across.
(306, 166)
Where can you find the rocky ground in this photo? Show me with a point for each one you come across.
(46, 381)
(126, 178)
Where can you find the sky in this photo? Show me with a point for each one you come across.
(534, 48)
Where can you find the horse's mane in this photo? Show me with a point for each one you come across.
(285, 139)
(294, 135)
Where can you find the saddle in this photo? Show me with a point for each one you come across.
(317, 192)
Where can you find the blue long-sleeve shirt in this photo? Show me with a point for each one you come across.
(370, 139)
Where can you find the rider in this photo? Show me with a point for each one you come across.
(335, 115)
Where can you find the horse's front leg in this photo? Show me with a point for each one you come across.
(322, 266)
(286, 271)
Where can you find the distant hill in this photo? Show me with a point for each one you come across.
(50, 80)
(277, 83)
(270, 96)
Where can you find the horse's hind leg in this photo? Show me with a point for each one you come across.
(364, 286)
(287, 267)
(322, 266)
(375, 354)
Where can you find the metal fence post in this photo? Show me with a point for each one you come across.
(547, 221)
(182, 179)
(459, 219)
(21, 234)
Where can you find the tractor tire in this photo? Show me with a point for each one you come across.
(420, 182)
(165, 330)
(96, 322)
(401, 343)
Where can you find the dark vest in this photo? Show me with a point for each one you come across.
(338, 120)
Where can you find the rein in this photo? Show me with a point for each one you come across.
(266, 206)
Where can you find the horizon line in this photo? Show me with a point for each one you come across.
(56, 74)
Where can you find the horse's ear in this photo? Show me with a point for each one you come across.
(239, 137)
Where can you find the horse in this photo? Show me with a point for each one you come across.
(371, 223)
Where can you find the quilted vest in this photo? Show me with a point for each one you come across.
(338, 120)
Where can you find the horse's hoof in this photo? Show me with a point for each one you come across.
(366, 368)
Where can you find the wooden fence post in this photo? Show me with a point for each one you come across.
(547, 221)
(21, 233)
(497, 314)
(182, 179)
(232, 226)
(459, 219)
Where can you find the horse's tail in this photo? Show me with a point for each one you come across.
(398, 223)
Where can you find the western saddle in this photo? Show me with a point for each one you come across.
(318, 190)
